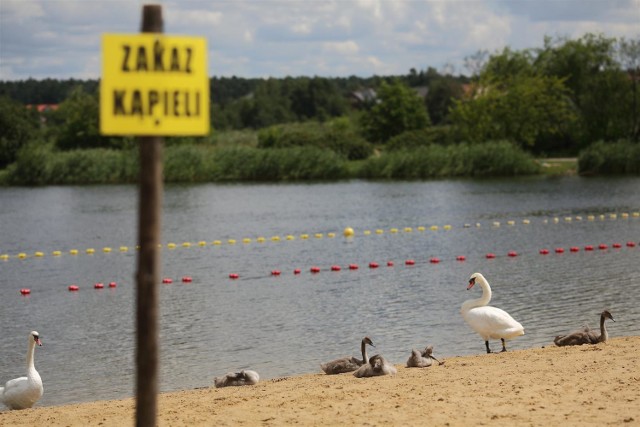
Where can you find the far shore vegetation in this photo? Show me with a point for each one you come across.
(568, 107)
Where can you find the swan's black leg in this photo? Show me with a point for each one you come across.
(504, 347)
(486, 343)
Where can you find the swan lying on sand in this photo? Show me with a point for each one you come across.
(245, 377)
(586, 335)
(377, 366)
(422, 359)
(348, 364)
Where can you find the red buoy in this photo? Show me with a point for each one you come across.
(167, 280)
(373, 265)
(25, 291)
(231, 276)
(512, 254)
(315, 269)
(187, 279)
(617, 245)
(113, 284)
(410, 262)
(602, 246)
(461, 258)
(490, 255)
(434, 260)
(588, 248)
(275, 272)
(631, 244)
(544, 251)
(559, 250)
(390, 264)
(74, 288)
(353, 266)
(574, 249)
(335, 268)
(297, 271)
(98, 286)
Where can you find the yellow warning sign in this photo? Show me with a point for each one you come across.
(154, 84)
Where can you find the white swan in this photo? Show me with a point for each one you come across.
(377, 366)
(490, 323)
(348, 364)
(245, 377)
(422, 359)
(23, 392)
(586, 335)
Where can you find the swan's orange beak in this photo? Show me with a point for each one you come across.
(471, 283)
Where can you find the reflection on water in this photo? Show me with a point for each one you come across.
(289, 324)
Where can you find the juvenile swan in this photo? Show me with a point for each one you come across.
(23, 392)
(348, 364)
(586, 335)
(377, 365)
(245, 377)
(422, 359)
(489, 322)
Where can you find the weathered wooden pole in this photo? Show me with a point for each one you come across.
(149, 220)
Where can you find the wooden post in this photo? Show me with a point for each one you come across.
(149, 220)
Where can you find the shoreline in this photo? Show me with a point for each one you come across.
(582, 385)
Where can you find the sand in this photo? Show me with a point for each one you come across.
(552, 386)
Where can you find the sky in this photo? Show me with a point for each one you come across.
(61, 39)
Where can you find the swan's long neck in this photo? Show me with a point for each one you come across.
(30, 351)
(483, 300)
(363, 349)
(603, 329)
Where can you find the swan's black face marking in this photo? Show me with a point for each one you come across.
(608, 315)
(36, 338)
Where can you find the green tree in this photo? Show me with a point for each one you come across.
(18, 126)
(599, 88)
(398, 109)
(512, 101)
(76, 122)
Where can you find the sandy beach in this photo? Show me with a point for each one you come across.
(585, 385)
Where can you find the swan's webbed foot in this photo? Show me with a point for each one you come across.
(486, 343)
(504, 347)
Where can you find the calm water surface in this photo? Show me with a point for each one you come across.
(289, 324)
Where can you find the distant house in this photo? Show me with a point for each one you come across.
(43, 108)
(363, 98)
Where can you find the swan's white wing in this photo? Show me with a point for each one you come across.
(493, 323)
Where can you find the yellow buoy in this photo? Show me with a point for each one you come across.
(106, 250)
(447, 227)
(304, 236)
(421, 228)
(366, 232)
(186, 245)
(511, 223)
(291, 237)
(217, 242)
(171, 245)
(4, 257)
(231, 241)
(260, 239)
(591, 218)
(379, 231)
(636, 214)
(90, 251)
(56, 253)
(331, 235)
(275, 238)
(73, 252)
(246, 240)
(39, 254)
(318, 235)
(124, 248)
(408, 229)
(22, 255)
(433, 228)
(526, 221)
(202, 243)
(348, 232)
(393, 230)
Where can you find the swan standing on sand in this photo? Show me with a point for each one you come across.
(490, 323)
(23, 392)
(377, 366)
(348, 364)
(245, 377)
(586, 335)
(422, 359)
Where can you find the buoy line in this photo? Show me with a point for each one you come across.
(348, 233)
(615, 247)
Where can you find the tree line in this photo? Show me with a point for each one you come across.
(557, 99)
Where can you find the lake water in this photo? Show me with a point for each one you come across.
(288, 324)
